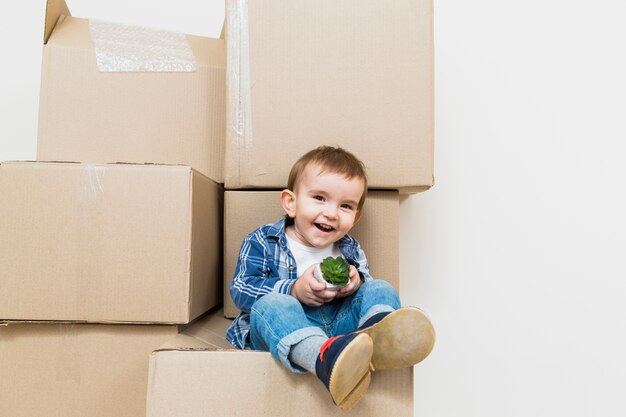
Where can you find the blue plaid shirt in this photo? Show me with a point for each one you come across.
(266, 265)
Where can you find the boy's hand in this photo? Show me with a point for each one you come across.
(353, 285)
(309, 291)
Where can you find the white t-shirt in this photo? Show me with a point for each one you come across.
(307, 255)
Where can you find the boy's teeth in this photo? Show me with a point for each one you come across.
(323, 226)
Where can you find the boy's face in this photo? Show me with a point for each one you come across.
(323, 206)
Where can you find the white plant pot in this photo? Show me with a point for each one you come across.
(317, 273)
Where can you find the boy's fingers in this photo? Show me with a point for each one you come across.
(316, 285)
(328, 296)
(316, 302)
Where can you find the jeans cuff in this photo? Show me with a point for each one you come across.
(373, 310)
(285, 344)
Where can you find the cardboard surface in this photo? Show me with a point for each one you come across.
(301, 74)
(76, 370)
(156, 117)
(194, 376)
(108, 242)
(377, 232)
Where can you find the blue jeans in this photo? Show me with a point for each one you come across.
(279, 321)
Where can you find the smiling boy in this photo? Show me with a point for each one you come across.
(339, 335)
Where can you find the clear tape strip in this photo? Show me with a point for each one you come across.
(93, 186)
(238, 73)
(124, 48)
(92, 237)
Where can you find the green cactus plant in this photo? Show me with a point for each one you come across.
(335, 270)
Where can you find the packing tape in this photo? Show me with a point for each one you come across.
(91, 239)
(94, 180)
(238, 80)
(125, 48)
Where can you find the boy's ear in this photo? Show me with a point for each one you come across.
(288, 201)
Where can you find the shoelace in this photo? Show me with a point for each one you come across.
(326, 345)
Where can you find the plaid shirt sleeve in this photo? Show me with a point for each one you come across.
(257, 271)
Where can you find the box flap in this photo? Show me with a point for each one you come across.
(206, 333)
(54, 10)
(183, 342)
(211, 329)
(223, 31)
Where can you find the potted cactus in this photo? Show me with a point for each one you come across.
(333, 271)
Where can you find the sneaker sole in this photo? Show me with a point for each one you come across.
(351, 373)
(402, 339)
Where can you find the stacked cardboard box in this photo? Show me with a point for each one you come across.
(110, 260)
(197, 374)
(118, 104)
(354, 73)
(108, 242)
(109, 255)
(76, 369)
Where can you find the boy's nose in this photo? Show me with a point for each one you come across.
(331, 213)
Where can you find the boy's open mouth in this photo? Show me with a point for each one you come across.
(324, 228)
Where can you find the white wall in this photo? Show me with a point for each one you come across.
(515, 253)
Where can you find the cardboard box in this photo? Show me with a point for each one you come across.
(76, 370)
(144, 116)
(197, 375)
(302, 74)
(108, 242)
(377, 232)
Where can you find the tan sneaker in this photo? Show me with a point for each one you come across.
(401, 338)
(344, 367)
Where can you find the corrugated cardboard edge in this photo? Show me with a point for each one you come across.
(54, 10)
(230, 311)
(205, 264)
(428, 32)
(190, 246)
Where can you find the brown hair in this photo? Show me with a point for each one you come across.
(332, 159)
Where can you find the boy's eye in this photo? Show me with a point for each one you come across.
(347, 206)
(319, 197)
